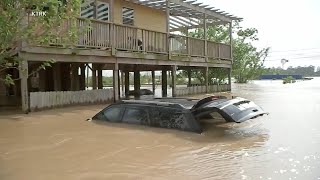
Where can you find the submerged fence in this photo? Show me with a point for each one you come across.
(41, 100)
(182, 91)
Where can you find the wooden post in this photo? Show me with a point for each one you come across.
(126, 82)
(23, 73)
(75, 77)
(56, 69)
(153, 77)
(122, 82)
(189, 77)
(207, 79)
(205, 37)
(137, 81)
(42, 80)
(168, 27)
(229, 78)
(100, 79)
(83, 77)
(94, 77)
(230, 34)
(116, 82)
(174, 76)
(164, 83)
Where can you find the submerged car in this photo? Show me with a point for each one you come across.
(179, 113)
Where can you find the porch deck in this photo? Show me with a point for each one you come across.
(106, 39)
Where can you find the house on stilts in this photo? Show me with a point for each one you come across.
(125, 36)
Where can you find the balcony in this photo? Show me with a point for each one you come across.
(107, 36)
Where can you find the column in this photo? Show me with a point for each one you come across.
(126, 82)
(100, 79)
(229, 78)
(23, 73)
(75, 77)
(122, 83)
(153, 77)
(206, 79)
(174, 76)
(94, 77)
(136, 81)
(189, 77)
(42, 80)
(164, 83)
(83, 77)
(56, 76)
(116, 82)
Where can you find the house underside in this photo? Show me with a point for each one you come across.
(122, 48)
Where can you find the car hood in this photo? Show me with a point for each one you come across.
(232, 110)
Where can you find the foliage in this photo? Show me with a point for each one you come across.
(247, 59)
(289, 79)
(304, 71)
(19, 26)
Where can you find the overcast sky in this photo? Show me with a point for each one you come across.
(290, 27)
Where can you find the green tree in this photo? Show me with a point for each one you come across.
(248, 61)
(20, 24)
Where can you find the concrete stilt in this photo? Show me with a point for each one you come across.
(83, 77)
(126, 82)
(116, 82)
(137, 81)
(23, 73)
(100, 79)
(189, 77)
(56, 69)
(164, 83)
(174, 77)
(75, 86)
(206, 78)
(153, 77)
(94, 77)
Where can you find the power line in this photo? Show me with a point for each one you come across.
(297, 58)
(294, 50)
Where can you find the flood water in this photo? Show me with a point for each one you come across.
(60, 144)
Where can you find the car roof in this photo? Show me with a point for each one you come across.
(168, 102)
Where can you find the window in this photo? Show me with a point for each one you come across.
(112, 114)
(168, 118)
(87, 9)
(135, 116)
(127, 16)
(103, 11)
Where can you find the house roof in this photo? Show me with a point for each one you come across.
(189, 13)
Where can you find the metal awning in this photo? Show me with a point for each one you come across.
(189, 13)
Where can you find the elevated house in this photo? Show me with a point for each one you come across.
(125, 36)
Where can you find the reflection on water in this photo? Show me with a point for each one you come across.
(60, 144)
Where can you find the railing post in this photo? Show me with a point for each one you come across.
(168, 27)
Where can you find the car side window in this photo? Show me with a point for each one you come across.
(113, 114)
(136, 115)
(168, 118)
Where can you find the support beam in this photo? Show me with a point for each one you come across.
(189, 77)
(126, 82)
(56, 69)
(136, 81)
(164, 83)
(153, 77)
(42, 80)
(174, 77)
(229, 76)
(75, 77)
(100, 79)
(23, 73)
(122, 83)
(83, 77)
(168, 26)
(94, 77)
(206, 79)
(116, 82)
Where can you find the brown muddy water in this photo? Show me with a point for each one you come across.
(60, 144)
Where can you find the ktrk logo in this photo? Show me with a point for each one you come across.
(39, 13)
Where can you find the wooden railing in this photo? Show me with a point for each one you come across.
(101, 34)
